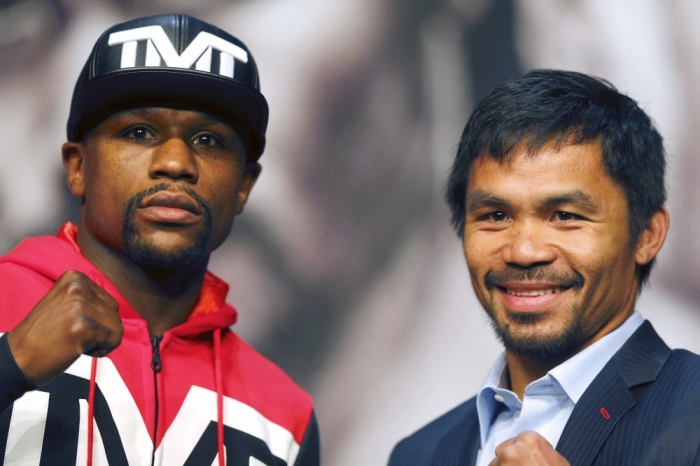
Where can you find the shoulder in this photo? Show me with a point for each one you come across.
(671, 398)
(29, 271)
(682, 369)
(659, 427)
(20, 289)
(268, 388)
(685, 358)
(419, 448)
(647, 364)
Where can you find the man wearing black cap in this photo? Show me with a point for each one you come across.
(166, 127)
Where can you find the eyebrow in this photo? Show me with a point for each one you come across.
(480, 199)
(577, 198)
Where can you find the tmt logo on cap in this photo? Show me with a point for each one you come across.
(159, 47)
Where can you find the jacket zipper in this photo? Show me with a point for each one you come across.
(157, 366)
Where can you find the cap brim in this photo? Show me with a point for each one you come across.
(178, 87)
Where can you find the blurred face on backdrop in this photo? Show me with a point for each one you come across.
(162, 186)
(548, 248)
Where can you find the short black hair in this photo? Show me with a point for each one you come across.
(566, 106)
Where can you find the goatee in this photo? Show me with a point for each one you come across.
(549, 347)
(148, 256)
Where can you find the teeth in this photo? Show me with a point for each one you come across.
(534, 292)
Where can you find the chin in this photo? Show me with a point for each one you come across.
(164, 248)
(147, 255)
(537, 340)
(184, 254)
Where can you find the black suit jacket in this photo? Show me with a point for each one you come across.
(642, 409)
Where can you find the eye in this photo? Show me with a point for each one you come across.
(562, 216)
(138, 133)
(207, 140)
(497, 216)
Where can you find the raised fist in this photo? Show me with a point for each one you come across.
(75, 317)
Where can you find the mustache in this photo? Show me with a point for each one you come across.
(542, 274)
(136, 200)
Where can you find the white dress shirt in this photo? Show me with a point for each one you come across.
(548, 401)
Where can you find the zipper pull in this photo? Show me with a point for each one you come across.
(156, 365)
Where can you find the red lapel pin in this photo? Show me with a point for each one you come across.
(605, 413)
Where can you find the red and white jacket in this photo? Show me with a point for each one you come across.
(197, 396)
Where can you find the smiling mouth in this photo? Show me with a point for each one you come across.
(539, 292)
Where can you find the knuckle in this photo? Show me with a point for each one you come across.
(75, 308)
(510, 453)
(77, 327)
(75, 288)
(72, 275)
(82, 325)
(112, 303)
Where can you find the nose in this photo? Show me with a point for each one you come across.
(174, 159)
(528, 246)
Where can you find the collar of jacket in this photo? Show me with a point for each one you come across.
(52, 256)
(610, 395)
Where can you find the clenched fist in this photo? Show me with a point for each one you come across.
(528, 448)
(75, 317)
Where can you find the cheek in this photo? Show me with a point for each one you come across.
(106, 192)
(481, 253)
(602, 254)
(608, 268)
(103, 174)
(224, 215)
(223, 200)
(223, 194)
(109, 183)
(480, 259)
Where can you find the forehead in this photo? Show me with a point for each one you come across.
(549, 171)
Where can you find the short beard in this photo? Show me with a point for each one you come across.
(544, 347)
(146, 255)
(550, 347)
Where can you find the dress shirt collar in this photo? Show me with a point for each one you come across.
(573, 375)
(576, 373)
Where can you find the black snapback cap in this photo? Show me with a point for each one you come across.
(172, 61)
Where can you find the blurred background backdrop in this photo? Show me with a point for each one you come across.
(343, 268)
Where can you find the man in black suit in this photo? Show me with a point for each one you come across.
(557, 192)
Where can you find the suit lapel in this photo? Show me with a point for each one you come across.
(460, 445)
(594, 416)
(610, 395)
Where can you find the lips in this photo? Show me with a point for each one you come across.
(534, 281)
(172, 200)
(171, 208)
(532, 297)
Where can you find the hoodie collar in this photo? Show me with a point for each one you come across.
(53, 256)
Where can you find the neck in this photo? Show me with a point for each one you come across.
(522, 371)
(163, 298)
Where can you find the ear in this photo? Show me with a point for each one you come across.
(652, 238)
(73, 164)
(251, 172)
